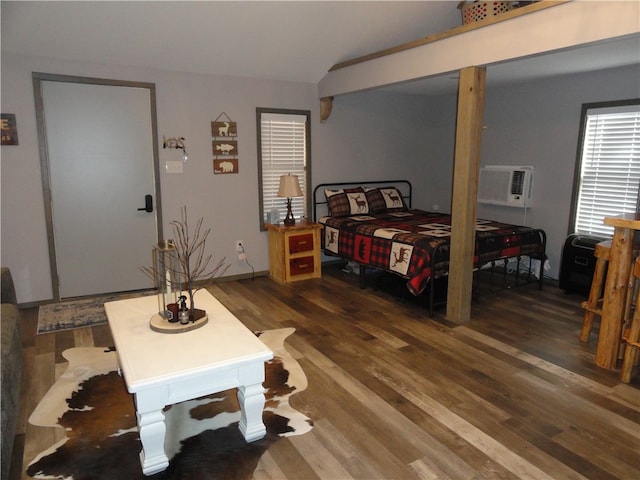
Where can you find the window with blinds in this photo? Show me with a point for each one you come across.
(609, 166)
(283, 148)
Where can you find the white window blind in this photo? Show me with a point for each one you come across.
(283, 144)
(610, 168)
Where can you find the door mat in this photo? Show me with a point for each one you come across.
(85, 312)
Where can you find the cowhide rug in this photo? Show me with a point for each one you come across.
(91, 403)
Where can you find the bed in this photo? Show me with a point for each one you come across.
(374, 225)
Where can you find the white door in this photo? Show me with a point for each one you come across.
(101, 167)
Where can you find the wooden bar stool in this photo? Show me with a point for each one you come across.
(593, 306)
(631, 335)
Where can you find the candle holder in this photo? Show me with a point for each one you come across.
(166, 269)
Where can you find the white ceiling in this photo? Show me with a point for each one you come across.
(291, 41)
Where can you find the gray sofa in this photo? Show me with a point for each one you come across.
(11, 363)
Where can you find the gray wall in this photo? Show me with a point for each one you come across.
(537, 124)
(534, 123)
(369, 135)
(186, 103)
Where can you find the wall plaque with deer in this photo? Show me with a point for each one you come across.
(224, 145)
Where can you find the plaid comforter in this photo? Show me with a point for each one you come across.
(415, 243)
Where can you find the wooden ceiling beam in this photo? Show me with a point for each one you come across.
(326, 104)
(534, 7)
(538, 29)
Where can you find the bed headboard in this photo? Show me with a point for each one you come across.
(320, 202)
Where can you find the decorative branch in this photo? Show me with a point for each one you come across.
(194, 266)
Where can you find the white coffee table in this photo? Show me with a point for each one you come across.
(161, 369)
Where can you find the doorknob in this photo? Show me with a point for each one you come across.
(148, 204)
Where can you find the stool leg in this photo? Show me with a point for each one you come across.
(630, 304)
(587, 323)
(631, 352)
(631, 336)
(594, 295)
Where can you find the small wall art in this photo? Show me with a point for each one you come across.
(225, 166)
(224, 133)
(224, 129)
(9, 129)
(226, 148)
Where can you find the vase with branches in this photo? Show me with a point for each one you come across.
(195, 270)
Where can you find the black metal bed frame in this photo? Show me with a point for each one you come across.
(406, 189)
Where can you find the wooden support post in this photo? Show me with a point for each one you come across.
(465, 191)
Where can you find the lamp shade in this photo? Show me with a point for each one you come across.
(289, 186)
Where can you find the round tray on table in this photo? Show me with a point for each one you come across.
(160, 324)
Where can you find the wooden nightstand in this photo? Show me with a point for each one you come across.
(294, 252)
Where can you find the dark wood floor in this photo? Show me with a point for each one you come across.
(395, 394)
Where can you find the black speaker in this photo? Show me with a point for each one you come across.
(578, 263)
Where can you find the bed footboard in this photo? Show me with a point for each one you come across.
(497, 274)
(373, 224)
(493, 264)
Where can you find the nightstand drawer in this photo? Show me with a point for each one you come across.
(301, 243)
(302, 265)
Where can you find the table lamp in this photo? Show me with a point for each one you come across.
(289, 187)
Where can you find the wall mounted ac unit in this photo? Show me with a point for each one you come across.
(505, 185)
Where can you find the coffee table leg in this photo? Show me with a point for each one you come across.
(251, 398)
(152, 431)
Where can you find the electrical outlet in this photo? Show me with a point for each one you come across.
(242, 255)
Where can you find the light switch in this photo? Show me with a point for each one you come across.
(174, 166)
